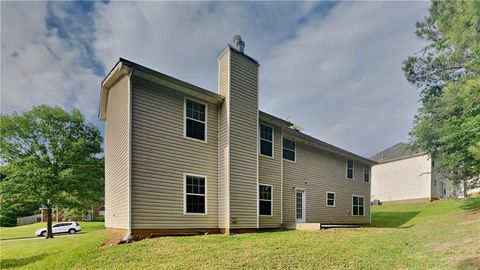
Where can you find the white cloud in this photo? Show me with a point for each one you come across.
(40, 67)
(337, 71)
(341, 76)
(184, 39)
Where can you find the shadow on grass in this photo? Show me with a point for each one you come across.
(393, 219)
(471, 204)
(470, 263)
(14, 263)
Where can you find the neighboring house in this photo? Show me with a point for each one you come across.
(403, 175)
(58, 214)
(182, 159)
(474, 192)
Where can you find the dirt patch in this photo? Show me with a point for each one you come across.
(471, 215)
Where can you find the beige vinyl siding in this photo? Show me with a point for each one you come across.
(117, 156)
(161, 156)
(223, 153)
(270, 173)
(403, 179)
(317, 172)
(243, 141)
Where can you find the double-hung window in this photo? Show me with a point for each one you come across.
(195, 120)
(266, 140)
(366, 174)
(195, 194)
(350, 169)
(331, 199)
(265, 200)
(288, 150)
(358, 206)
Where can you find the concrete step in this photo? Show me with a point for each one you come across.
(309, 227)
(332, 226)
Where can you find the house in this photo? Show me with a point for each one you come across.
(404, 175)
(181, 159)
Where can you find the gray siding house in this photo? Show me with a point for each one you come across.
(182, 159)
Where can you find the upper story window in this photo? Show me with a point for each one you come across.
(288, 150)
(350, 169)
(358, 206)
(366, 174)
(195, 194)
(331, 199)
(266, 140)
(195, 120)
(265, 200)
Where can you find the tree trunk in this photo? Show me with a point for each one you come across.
(464, 187)
(49, 221)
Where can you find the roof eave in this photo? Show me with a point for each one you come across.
(326, 146)
(402, 158)
(118, 71)
(271, 119)
(173, 83)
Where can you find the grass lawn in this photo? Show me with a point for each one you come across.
(29, 230)
(439, 235)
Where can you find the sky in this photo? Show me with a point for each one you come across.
(334, 68)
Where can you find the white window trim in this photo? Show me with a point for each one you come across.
(363, 206)
(271, 200)
(185, 119)
(295, 151)
(260, 141)
(353, 169)
(368, 168)
(304, 210)
(334, 198)
(185, 194)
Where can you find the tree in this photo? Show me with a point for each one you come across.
(295, 126)
(448, 74)
(50, 158)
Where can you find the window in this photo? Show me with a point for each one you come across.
(265, 200)
(195, 194)
(366, 174)
(350, 169)
(288, 150)
(331, 199)
(266, 140)
(358, 206)
(195, 120)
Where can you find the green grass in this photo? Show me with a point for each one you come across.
(29, 230)
(439, 235)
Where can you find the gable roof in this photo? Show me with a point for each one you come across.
(124, 66)
(398, 151)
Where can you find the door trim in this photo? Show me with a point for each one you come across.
(304, 199)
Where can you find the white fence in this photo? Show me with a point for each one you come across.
(29, 220)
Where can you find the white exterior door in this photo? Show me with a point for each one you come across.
(300, 206)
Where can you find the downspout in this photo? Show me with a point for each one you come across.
(128, 237)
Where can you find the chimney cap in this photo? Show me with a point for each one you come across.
(238, 43)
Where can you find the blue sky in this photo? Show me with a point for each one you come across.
(332, 67)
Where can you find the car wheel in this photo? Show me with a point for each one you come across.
(72, 231)
(43, 234)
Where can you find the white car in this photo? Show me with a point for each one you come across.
(71, 227)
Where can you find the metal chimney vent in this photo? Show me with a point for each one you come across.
(238, 43)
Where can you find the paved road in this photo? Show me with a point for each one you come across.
(36, 238)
